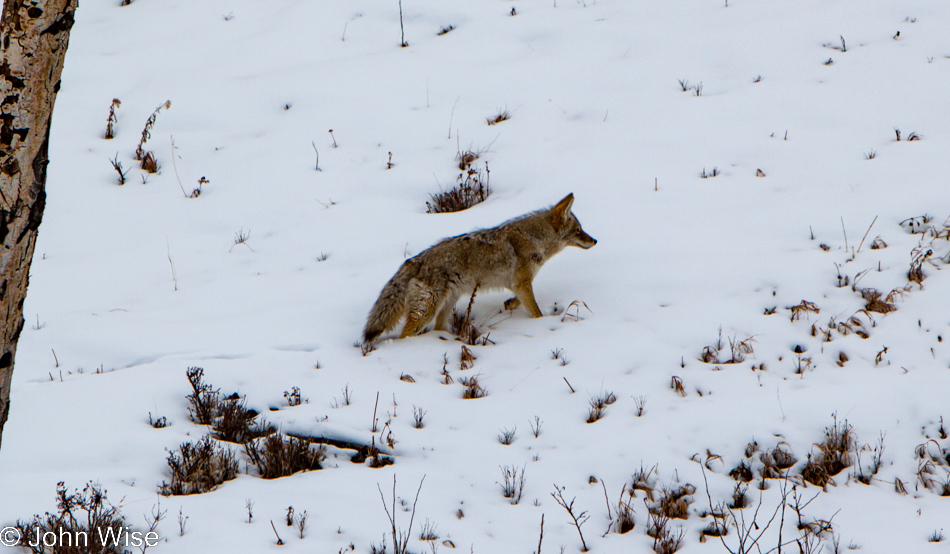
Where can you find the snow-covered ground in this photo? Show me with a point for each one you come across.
(794, 106)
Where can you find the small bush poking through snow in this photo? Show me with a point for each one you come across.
(599, 404)
(502, 115)
(625, 522)
(203, 401)
(472, 388)
(279, 456)
(199, 467)
(473, 187)
(834, 454)
(110, 123)
(234, 422)
(82, 515)
(512, 484)
(229, 417)
(674, 503)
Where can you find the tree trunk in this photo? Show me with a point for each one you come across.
(33, 39)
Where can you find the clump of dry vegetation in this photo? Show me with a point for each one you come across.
(802, 309)
(203, 401)
(473, 187)
(512, 485)
(598, 404)
(466, 159)
(279, 456)
(502, 115)
(624, 522)
(472, 388)
(230, 418)
(918, 256)
(148, 160)
(110, 123)
(234, 422)
(117, 165)
(466, 329)
(673, 503)
(872, 297)
(776, 461)
(739, 350)
(833, 453)
(933, 463)
(83, 522)
(199, 467)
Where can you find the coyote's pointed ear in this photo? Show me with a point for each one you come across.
(562, 210)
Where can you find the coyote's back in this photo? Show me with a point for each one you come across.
(428, 285)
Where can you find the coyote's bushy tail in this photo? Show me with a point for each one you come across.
(391, 304)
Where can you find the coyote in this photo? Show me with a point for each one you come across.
(508, 256)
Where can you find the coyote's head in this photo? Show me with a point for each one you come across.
(567, 225)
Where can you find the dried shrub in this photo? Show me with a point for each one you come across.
(204, 402)
(739, 499)
(665, 540)
(676, 383)
(473, 187)
(502, 115)
(643, 481)
(110, 123)
(932, 468)
(599, 404)
(117, 165)
(738, 350)
(230, 418)
(199, 467)
(466, 159)
(783, 457)
(472, 388)
(917, 258)
(467, 358)
(83, 523)
(802, 309)
(418, 414)
(159, 422)
(234, 422)
(742, 472)
(718, 526)
(279, 456)
(873, 302)
(463, 326)
(673, 503)
(149, 163)
(293, 397)
(833, 455)
(625, 522)
(512, 484)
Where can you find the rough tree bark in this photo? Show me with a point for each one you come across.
(33, 39)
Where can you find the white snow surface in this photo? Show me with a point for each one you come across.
(596, 109)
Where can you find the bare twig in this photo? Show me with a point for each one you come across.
(400, 538)
(578, 519)
(175, 167)
(866, 233)
(279, 541)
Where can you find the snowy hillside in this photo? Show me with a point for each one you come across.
(767, 182)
